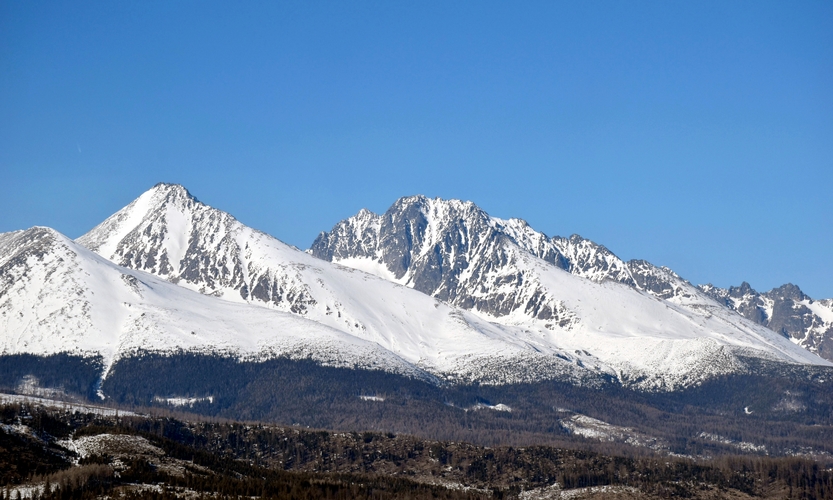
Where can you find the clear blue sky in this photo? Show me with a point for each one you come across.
(697, 135)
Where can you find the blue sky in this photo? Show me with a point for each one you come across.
(696, 135)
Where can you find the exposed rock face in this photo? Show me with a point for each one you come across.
(786, 310)
(451, 250)
(544, 308)
(456, 252)
(169, 233)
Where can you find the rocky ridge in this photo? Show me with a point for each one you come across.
(786, 310)
(456, 252)
(499, 313)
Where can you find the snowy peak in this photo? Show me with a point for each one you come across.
(787, 292)
(532, 241)
(449, 249)
(34, 242)
(87, 305)
(501, 308)
(159, 222)
(786, 310)
(169, 233)
(225, 259)
(507, 272)
(42, 267)
(118, 226)
(456, 252)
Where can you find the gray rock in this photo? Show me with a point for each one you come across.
(455, 252)
(785, 310)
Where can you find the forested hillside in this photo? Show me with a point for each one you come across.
(58, 454)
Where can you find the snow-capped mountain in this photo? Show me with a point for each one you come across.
(87, 305)
(169, 233)
(786, 310)
(529, 319)
(57, 296)
(456, 252)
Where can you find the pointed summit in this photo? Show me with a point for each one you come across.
(162, 201)
(152, 233)
(165, 190)
(499, 310)
(454, 251)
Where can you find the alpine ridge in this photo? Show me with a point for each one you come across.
(88, 306)
(435, 290)
(454, 251)
(786, 310)
(501, 308)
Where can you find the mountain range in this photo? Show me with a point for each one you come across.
(433, 318)
(457, 253)
(435, 289)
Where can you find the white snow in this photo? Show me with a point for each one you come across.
(821, 308)
(556, 492)
(122, 226)
(497, 407)
(99, 444)
(344, 316)
(591, 428)
(370, 266)
(176, 238)
(742, 445)
(183, 401)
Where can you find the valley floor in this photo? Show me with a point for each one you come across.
(61, 451)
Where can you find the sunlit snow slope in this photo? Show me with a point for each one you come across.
(786, 310)
(530, 320)
(453, 250)
(57, 296)
(627, 313)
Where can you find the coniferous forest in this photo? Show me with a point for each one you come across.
(65, 453)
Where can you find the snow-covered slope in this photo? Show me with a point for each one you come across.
(507, 272)
(57, 296)
(786, 310)
(87, 305)
(456, 252)
(446, 247)
(531, 319)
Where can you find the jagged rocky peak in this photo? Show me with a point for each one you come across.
(416, 226)
(168, 232)
(456, 252)
(534, 242)
(530, 316)
(788, 291)
(426, 243)
(742, 299)
(449, 249)
(786, 310)
(410, 229)
(660, 282)
(591, 260)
